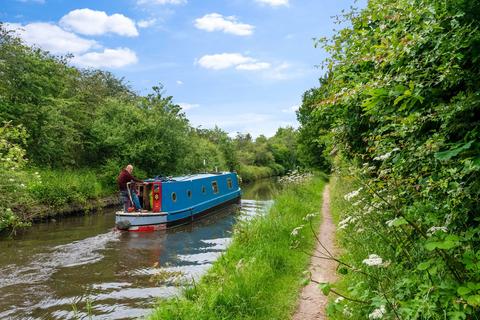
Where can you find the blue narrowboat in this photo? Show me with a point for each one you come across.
(169, 202)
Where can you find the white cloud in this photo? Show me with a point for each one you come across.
(274, 3)
(253, 66)
(161, 2)
(223, 60)
(216, 22)
(179, 82)
(188, 106)
(51, 38)
(92, 22)
(229, 60)
(109, 58)
(146, 23)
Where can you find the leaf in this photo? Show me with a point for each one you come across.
(474, 300)
(325, 287)
(430, 246)
(456, 315)
(423, 266)
(399, 222)
(445, 245)
(463, 291)
(448, 154)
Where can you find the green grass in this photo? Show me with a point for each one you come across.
(259, 276)
(63, 187)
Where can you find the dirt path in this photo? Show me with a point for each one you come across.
(312, 302)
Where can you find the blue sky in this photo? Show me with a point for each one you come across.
(240, 64)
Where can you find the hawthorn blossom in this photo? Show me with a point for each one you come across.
(386, 155)
(373, 260)
(344, 223)
(377, 313)
(349, 196)
(391, 223)
(432, 230)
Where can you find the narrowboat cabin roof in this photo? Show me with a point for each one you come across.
(187, 177)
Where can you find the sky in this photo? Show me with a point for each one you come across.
(242, 65)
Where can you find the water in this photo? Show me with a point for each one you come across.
(79, 266)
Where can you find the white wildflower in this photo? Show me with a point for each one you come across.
(357, 203)
(383, 156)
(373, 260)
(344, 223)
(386, 155)
(432, 230)
(11, 180)
(339, 299)
(310, 216)
(347, 312)
(22, 185)
(295, 231)
(377, 313)
(391, 223)
(349, 196)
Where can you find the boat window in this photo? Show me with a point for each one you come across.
(229, 183)
(204, 190)
(189, 193)
(174, 197)
(215, 187)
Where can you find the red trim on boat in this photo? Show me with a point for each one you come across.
(148, 228)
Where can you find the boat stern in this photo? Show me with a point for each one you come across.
(144, 221)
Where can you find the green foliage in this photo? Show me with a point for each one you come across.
(400, 107)
(259, 276)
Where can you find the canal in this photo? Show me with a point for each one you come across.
(80, 268)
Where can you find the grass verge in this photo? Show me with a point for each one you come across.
(259, 276)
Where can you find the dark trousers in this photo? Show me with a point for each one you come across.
(125, 200)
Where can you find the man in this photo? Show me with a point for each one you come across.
(124, 177)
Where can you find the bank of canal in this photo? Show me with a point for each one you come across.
(59, 270)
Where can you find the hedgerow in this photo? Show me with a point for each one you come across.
(399, 108)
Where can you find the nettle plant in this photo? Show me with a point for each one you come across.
(401, 103)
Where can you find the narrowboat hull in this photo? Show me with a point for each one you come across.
(185, 201)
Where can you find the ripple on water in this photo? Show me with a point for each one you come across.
(43, 265)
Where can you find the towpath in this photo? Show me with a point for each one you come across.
(312, 302)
